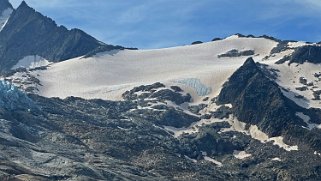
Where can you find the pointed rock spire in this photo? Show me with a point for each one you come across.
(24, 5)
(249, 61)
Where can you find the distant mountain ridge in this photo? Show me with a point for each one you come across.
(28, 32)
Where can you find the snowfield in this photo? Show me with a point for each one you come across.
(196, 68)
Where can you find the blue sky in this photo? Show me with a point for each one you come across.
(164, 23)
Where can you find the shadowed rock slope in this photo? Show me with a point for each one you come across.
(257, 100)
(28, 32)
(307, 53)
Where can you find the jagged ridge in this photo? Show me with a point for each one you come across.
(28, 32)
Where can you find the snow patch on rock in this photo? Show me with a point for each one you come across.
(194, 128)
(219, 164)
(279, 142)
(241, 155)
(31, 61)
(307, 119)
(276, 159)
(257, 134)
(317, 153)
(236, 125)
(190, 159)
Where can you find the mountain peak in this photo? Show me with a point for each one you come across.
(238, 81)
(250, 65)
(249, 61)
(24, 5)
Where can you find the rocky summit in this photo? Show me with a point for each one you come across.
(73, 108)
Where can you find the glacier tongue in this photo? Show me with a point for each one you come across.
(11, 98)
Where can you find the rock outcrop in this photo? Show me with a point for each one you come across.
(258, 100)
(307, 53)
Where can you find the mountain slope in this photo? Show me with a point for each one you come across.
(29, 33)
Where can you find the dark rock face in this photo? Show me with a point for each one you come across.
(216, 39)
(157, 93)
(174, 118)
(150, 91)
(105, 48)
(269, 37)
(262, 36)
(176, 89)
(236, 53)
(317, 94)
(212, 143)
(282, 46)
(243, 36)
(308, 53)
(304, 88)
(175, 97)
(197, 42)
(28, 32)
(195, 109)
(222, 112)
(258, 100)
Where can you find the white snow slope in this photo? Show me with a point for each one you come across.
(108, 75)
